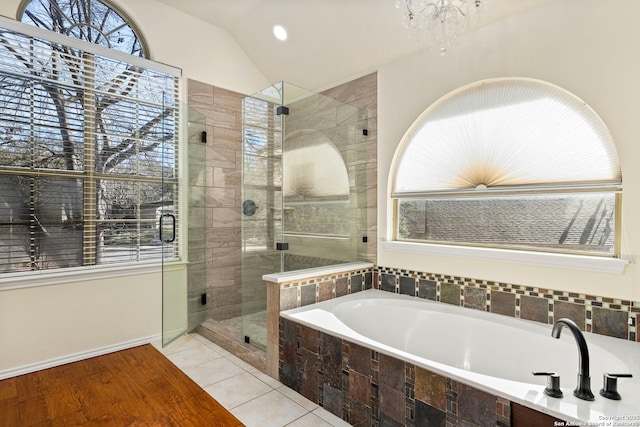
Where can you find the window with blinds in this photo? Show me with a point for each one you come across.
(510, 163)
(88, 152)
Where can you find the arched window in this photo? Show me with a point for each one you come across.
(91, 20)
(509, 163)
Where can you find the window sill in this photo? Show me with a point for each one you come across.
(544, 259)
(30, 279)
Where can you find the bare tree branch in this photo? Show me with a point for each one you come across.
(126, 149)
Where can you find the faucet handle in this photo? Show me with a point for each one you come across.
(610, 385)
(553, 383)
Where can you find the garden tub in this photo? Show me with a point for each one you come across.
(491, 352)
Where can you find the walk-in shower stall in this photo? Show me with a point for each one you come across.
(303, 194)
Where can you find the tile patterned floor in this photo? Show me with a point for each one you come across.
(253, 397)
(253, 325)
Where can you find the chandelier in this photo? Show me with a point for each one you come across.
(438, 22)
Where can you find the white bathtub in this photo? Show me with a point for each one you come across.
(488, 351)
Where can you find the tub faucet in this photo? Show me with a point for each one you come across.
(583, 389)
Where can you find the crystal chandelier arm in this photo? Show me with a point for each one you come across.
(438, 22)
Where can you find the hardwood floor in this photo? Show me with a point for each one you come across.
(134, 387)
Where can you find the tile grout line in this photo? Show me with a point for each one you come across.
(202, 345)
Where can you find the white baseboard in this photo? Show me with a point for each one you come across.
(33, 367)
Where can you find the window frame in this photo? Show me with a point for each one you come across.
(55, 274)
(136, 30)
(506, 252)
(617, 233)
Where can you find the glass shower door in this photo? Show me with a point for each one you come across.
(303, 190)
(196, 226)
(174, 291)
(324, 181)
(184, 298)
(261, 207)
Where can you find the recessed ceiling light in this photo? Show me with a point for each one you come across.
(280, 32)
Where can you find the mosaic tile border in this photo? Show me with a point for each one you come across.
(320, 288)
(602, 315)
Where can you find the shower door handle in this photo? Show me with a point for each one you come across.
(167, 228)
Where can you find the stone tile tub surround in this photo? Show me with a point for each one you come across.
(303, 287)
(321, 347)
(597, 314)
(317, 289)
(368, 388)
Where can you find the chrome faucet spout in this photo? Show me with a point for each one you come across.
(583, 389)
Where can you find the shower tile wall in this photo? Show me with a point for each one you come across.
(223, 111)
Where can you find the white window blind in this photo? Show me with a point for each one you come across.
(88, 152)
(509, 163)
(506, 133)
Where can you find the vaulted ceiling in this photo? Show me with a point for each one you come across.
(329, 40)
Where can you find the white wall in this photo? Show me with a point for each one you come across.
(47, 323)
(584, 46)
(9, 8)
(204, 52)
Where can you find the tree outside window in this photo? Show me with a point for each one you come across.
(87, 141)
